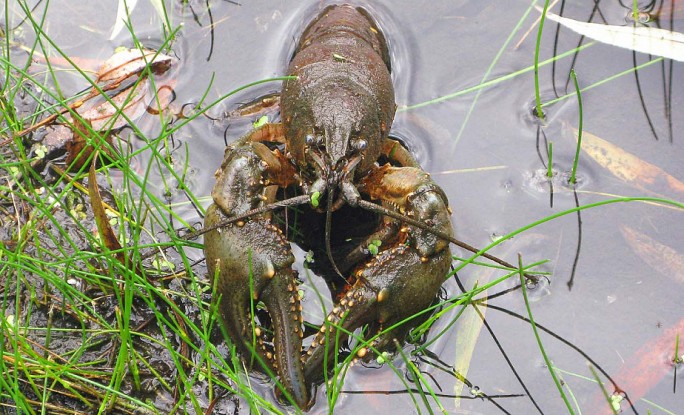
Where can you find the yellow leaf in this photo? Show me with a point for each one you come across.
(661, 258)
(626, 166)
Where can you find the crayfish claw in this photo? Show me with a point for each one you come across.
(252, 263)
(393, 286)
(283, 305)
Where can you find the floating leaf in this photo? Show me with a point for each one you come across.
(124, 65)
(129, 62)
(645, 368)
(626, 166)
(123, 96)
(651, 40)
(662, 258)
(161, 12)
(122, 14)
(469, 328)
(471, 320)
(132, 102)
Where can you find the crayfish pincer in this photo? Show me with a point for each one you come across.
(333, 143)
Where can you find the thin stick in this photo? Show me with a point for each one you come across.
(573, 179)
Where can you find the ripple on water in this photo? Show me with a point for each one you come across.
(527, 112)
(537, 290)
(536, 182)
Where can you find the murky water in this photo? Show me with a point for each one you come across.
(484, 148)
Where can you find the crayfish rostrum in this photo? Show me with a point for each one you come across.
(332, 144)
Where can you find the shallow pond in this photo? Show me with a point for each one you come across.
(614, 290)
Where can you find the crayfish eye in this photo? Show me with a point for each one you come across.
(360, 145)
(309, 139)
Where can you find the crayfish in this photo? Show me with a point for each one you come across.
(332, 147)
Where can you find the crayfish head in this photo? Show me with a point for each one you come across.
(337, 137)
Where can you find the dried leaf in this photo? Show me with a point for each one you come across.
(645, 368)
(122, 66)
(105, 230)
(132, 102)
(129, 62)
(128, 101)
(626, 166)
(662, 258)
(651, 40)
(78, 149)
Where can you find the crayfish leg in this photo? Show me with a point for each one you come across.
(397, 154)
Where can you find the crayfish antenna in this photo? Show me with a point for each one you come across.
(373, 207)
(328, 226)
(293, 201)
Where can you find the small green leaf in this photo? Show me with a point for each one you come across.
(384, 357)
(41, 151)
(309, 259)
(263, 120)
(615, 401)
(373, 249)
(315, 198)
(374, 245)
(339, 58)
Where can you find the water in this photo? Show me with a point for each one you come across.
(484, 148)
